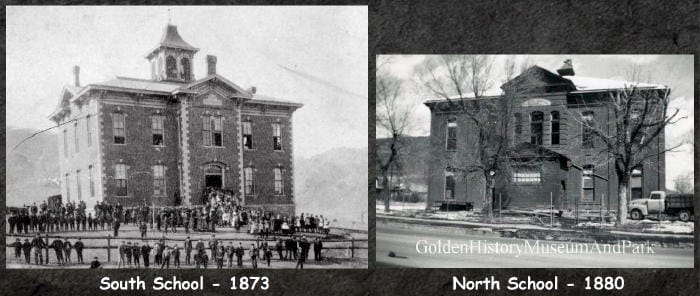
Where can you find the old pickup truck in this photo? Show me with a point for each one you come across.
(680, 205)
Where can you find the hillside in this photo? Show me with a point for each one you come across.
(31, 171)
(334, 184)
(413, 157)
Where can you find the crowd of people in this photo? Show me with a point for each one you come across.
(219, 208)
(137, 256)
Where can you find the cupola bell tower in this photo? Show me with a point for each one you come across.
(171, 60)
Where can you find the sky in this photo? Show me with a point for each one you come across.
(675, 71)
(313, 55)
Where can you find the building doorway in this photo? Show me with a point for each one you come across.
(213, 176)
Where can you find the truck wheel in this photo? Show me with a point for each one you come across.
(684, 215)
(636, 215)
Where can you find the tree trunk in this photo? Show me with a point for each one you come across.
(385, 196)
(488, 196)
(622, 191)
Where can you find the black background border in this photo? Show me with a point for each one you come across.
(436, 27)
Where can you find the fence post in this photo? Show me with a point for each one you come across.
(109, 248)
(47, 249)
(352, 247)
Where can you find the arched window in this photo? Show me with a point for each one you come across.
(185, 66)
(118, 128)
(555, 128)
(588, 123)
(536, 119)
(214, 176)
(171, 67)
(636, 183)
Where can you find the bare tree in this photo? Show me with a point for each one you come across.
(684, 183)
(452, 78)
(640, 115)
(393, 117)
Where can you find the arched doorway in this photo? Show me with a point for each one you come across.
(213, 176)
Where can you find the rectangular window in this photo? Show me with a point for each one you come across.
(588, 124)
(65, 142)
(279, 183)
(157, 130)
(88, 131)
(451, 134)
(118, 128)
(77, 184)
(517, 126)
(217, 137)
(67, 187)
(120, 179)
(92, 181)
(247, 135)
(276, 136)
(75, 137)
(159, 180)
(249, 181)
(527, 175)
(213, 131)
(555, 128)
(449, 185)
(588, 184)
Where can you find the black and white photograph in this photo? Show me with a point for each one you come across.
(155, 137)
(535, 161)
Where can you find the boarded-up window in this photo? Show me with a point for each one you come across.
(77, 185)
(92, 181)
(67, 187)
(75, 137)
(120, 180)
(451, 134)
(65, 142)
(88, 130)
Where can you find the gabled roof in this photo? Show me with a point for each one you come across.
(244, 93)
(262, 99)
(594, 84)
(172, 39)
(535, 77)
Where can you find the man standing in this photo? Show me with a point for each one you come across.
(166, 258)
(213, 246)
(79, 250)
(300, 255)
(18, 249)
(318, 246)
(129, 250)
(160, 247)
(38, 244)
(67, 248)
(279, 248)
(136, 252)
(146, 252)
(230, 250)
(57, 246)
(115, 226)
(188, 250)
(143, 229)
(254, 252)
(201, 253)
(239, 254)
(122, 255)
(220, 257)
(176, 256)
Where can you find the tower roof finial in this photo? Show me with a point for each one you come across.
(170, 16)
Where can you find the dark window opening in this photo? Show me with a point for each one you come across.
(185, 65)
(449, 185)
(276, 136)
(247, 135)
(157, 129)
(171, 67)
(636, 183)
(588, 183)
(118, 128)
(555, 128)
(588, 124)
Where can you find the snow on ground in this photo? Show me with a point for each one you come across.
(648, 226)
(401, 206)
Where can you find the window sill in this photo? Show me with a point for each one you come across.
(273, 150)
(205, 146)
(158, 146)
(249, 149)
(117, 144)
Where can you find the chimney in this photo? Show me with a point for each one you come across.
(253, 89)
(567, 69)
(211, 65)
(76, 75)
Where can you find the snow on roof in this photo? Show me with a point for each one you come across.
(268, 99)
(467, 96)
(140, 84)
(589, 83)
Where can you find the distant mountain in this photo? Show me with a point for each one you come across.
(334, 184)
(31, 170)
(412, 159)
